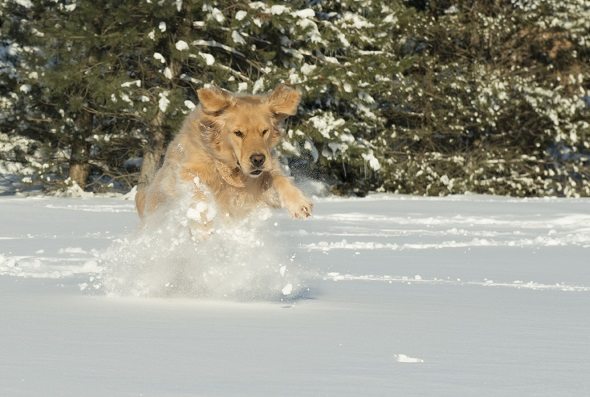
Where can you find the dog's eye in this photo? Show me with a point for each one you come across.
(264, 132)
(239, 133)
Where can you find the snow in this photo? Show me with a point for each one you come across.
(287, 289)
(237, 37)
(314, 33)
(243, 86)
(159, 57)
(13, 174)
(209, 59)
(136, 83)
(305, 13)
(326, 123)
(181, 45)
(203, 210)
(385, 295)
(307, 68)
(189, 104)
(402, 358)
(163, 102)
(309, 146)
(240, 15)
(258, 85)
(358, 22)
(278, 9)
(217, 15)
(24, 3)
(26, 88)
(372, 160)
(290, 148)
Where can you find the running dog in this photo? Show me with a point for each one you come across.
(224, 152)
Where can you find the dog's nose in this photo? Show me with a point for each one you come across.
(257, 160)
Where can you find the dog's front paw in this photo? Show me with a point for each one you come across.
(298, 205)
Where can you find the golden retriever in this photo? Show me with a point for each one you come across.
(224, 152)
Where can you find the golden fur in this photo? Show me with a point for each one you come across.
(222, 143)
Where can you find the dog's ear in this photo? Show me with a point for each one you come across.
(214, 100)
(283, 101)
(209, 128)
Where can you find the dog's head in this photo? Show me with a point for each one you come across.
(242, 130)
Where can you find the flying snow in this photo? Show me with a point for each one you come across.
(192, 250)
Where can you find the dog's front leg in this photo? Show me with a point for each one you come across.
(291, 197)
(201, 211)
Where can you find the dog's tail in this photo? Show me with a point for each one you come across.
(149, 168)
(144, 196)
(140, 199)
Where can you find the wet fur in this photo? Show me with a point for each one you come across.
(209, 147)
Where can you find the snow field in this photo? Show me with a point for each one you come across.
(380, 296)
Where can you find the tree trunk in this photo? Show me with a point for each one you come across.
(80, 151)
(153, 152)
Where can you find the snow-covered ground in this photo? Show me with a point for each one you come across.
(393, 296)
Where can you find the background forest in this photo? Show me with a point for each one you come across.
(421, 97)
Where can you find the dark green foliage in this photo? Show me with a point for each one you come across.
(421, 97)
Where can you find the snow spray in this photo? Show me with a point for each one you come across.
(235, 259)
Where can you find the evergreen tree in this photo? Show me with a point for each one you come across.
(22, 127)
(417, 97)
(493, 101)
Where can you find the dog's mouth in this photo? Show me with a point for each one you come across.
(255, 173)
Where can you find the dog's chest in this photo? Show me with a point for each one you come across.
(238, 202)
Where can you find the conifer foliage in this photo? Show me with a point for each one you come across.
(416, 96)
